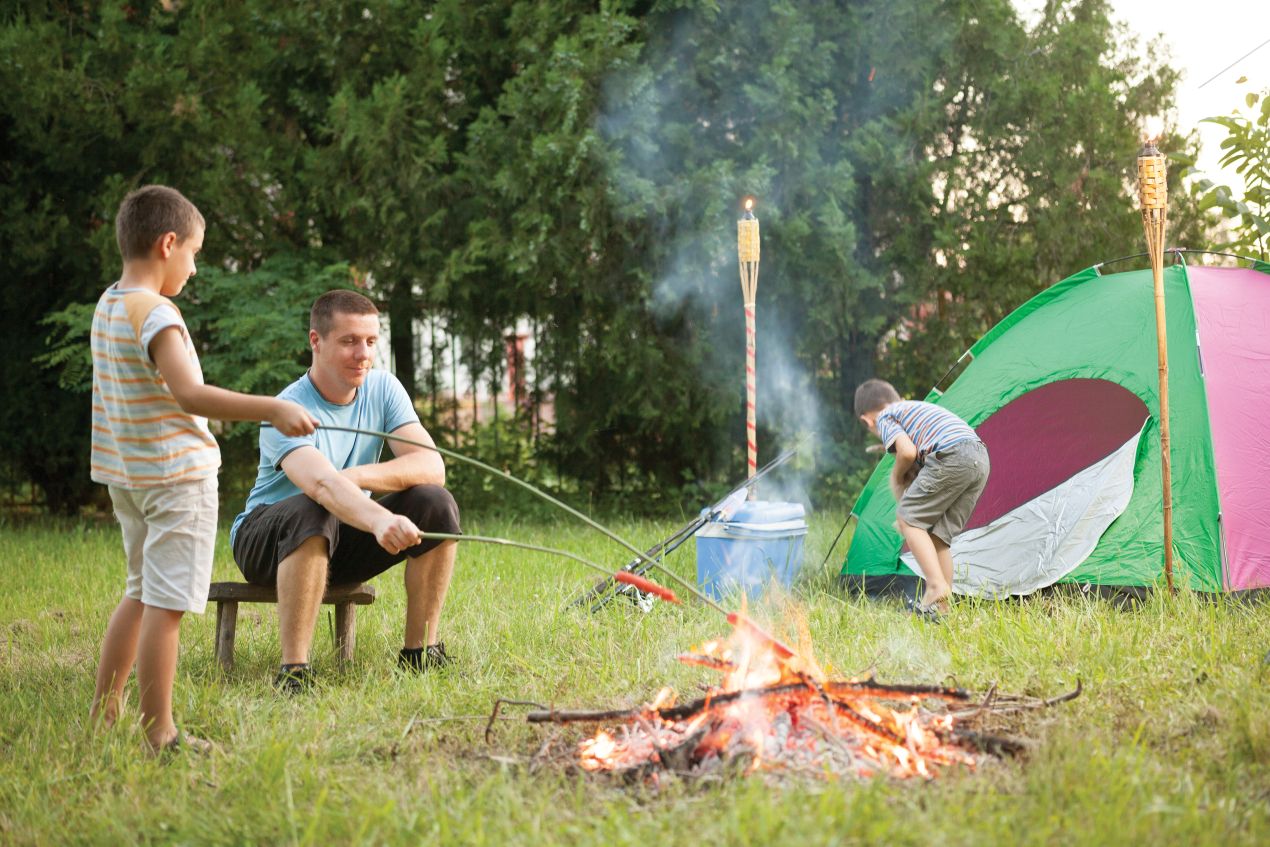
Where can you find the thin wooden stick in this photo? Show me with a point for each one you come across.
(388, 436)
(498, 705)
(866, 724)
(1015, 704)
(507, 542)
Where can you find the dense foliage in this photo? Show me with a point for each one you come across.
(922, 167)
(1247, 150)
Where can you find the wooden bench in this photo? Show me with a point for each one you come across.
(227, 596)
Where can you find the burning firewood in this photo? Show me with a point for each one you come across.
(777, 712)
(740, 621)
(711, 662)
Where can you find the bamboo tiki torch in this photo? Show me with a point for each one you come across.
(1153, 194)
(747, 250)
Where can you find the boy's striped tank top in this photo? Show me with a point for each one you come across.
(142, 438)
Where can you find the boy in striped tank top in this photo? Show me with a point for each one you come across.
(941, 468)
(152, 448)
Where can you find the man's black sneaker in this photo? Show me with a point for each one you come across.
(293, 679)
(420, 659)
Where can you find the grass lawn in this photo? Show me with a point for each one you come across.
(1169, 744)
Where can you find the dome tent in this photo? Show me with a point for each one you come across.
(1064, 392)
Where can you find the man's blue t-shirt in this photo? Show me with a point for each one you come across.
(381, 404)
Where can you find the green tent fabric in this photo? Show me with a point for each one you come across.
(1095, 333)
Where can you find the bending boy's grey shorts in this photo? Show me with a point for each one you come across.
(943, 496)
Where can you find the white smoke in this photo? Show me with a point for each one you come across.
(918, 655)
(692, 208)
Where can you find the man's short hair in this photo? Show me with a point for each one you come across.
(148, 214)
(873, 395)
(339, 301)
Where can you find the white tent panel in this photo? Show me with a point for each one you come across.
(1043, 540)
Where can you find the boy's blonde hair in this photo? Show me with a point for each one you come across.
(149, 213)
(873, 395)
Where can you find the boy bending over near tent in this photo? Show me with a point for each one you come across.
(941, 468)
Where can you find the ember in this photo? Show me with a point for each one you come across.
(776, 710)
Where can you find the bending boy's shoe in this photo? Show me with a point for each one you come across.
(182, 743)
(293, 679)
(421, 659)
(930, 614)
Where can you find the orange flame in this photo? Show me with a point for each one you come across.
(797, 724)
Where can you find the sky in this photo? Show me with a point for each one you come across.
(1203, 38)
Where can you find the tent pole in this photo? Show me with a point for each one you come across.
(1153, 194)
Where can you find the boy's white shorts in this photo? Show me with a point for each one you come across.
(169, 536)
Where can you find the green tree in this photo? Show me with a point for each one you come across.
(921, 168)
(809, 107)
(385, 162)
(99, 99)
(58, 126)
(545, 243)
(1032, 145)
(1247, 149)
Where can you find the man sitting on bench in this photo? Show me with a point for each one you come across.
(309, 518)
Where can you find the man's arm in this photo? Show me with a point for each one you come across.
(905, 457)
(314, 474)
(410, 465)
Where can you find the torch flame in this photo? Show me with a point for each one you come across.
(1152, 129)
(749, 204)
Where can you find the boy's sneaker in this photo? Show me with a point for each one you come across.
(420, 659)
(293, 679)
(930, 614)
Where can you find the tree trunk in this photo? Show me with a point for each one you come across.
(401, 314)
(454, 383)
(535, 395)
(494, 391)
(476, 391)
(432, 365)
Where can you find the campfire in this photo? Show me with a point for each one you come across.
(775, 710)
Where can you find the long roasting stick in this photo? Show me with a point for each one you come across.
(507, 542)
(1153, 194)
(671, 543)
(540, 493)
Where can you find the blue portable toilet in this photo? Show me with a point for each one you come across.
(762, 540)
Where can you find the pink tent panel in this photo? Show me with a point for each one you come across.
(1232, 313)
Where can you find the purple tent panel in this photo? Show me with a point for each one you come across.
(1043, 438)
(1232, 313)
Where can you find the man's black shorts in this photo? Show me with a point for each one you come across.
(271, 533)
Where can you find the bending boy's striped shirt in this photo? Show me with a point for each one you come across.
(930, 427)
